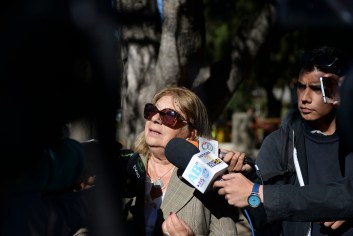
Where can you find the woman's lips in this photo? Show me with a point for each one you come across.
(153, 132)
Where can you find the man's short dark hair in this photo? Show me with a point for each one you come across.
(326, 59)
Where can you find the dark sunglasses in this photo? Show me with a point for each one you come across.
(327, 63)
(169, 117)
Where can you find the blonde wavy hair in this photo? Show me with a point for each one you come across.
(190, 104)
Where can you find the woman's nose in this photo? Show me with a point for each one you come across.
(156, 118)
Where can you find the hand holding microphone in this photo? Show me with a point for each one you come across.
(237, 161)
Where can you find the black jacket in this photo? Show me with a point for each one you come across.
(275, 161)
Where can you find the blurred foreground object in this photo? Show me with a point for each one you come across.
(345, 110)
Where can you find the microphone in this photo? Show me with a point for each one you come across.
(135, 173)
(200, 168)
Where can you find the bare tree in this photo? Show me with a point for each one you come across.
(167, 48)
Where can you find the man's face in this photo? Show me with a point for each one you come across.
(310, 101)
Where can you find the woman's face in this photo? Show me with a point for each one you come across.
(157, 135)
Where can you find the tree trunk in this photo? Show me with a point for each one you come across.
(169, 51)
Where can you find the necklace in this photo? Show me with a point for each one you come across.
(158, 183)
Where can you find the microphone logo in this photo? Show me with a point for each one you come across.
(136, 171)
(207, 146)
(205, 174)
(203, 168)
(198, 174)
(194, 173)
(200, 183)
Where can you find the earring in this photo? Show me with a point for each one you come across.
(193, 138)
(193, 141)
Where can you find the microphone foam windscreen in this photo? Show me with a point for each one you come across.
(179, 152)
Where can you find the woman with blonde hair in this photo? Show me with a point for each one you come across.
(178, 112)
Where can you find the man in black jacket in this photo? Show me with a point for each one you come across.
(305, 150)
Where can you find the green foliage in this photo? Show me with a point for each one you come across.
(222, 19)
(243, 98)
(277, 63)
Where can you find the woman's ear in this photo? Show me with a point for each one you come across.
(193, 134)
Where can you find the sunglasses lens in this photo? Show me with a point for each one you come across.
(326, 61)
(169, 117)
(150, 111)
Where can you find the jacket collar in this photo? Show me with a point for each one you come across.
(178, 194)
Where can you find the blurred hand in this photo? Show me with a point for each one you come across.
(235, 160)
(334, 224)
(88, 183)
(175, 226)
(235, 188)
